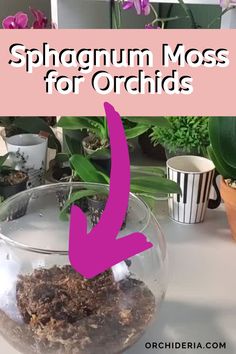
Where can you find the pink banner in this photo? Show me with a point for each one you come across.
(140, 72)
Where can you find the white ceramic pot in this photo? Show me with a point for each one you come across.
(29, 154)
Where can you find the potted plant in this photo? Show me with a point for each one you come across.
(186, 136)
(96, 144)
(222, 151)
(33, 125)
(11, 180)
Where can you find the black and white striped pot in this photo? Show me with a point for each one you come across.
(195, 176)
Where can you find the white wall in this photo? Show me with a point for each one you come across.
(83, 13)
(10, 7)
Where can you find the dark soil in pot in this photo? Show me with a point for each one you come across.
(155, 152)
(11, 183)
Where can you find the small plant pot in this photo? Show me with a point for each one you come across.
(228, 194)
(28, 153)
(96, 207)
(7, 190)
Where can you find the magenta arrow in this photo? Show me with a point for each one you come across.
(94, 252)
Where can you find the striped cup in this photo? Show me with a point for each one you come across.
(195, 176)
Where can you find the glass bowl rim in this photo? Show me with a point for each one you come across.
(28, 248)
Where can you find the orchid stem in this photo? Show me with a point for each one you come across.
(188, 13)
(154, 11)
(219, 17)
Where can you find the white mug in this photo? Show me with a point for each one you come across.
(195, 175)
(28, 153)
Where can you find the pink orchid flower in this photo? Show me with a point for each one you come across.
(19, 21)
(40, 19)
(141, 6)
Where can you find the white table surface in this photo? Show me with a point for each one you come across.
(200, 304)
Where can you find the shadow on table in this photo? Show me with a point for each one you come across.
(180, 322)
(214, 227)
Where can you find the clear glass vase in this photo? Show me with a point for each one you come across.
(46, 307)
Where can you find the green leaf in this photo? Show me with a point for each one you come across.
(187, 133)
(93, 124)
(223, 168)
(102, 152)
(153, 185)
(106, 178)
(3, 159)
(74, 123)
(73, 146)
(151, 121)
(85, 169)
(136, 131)
(188, 12)
(143, 170)
(222, 132)
(62, 158)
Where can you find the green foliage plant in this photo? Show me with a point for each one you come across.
(186, 133)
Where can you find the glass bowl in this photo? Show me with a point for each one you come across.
(45, 306)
